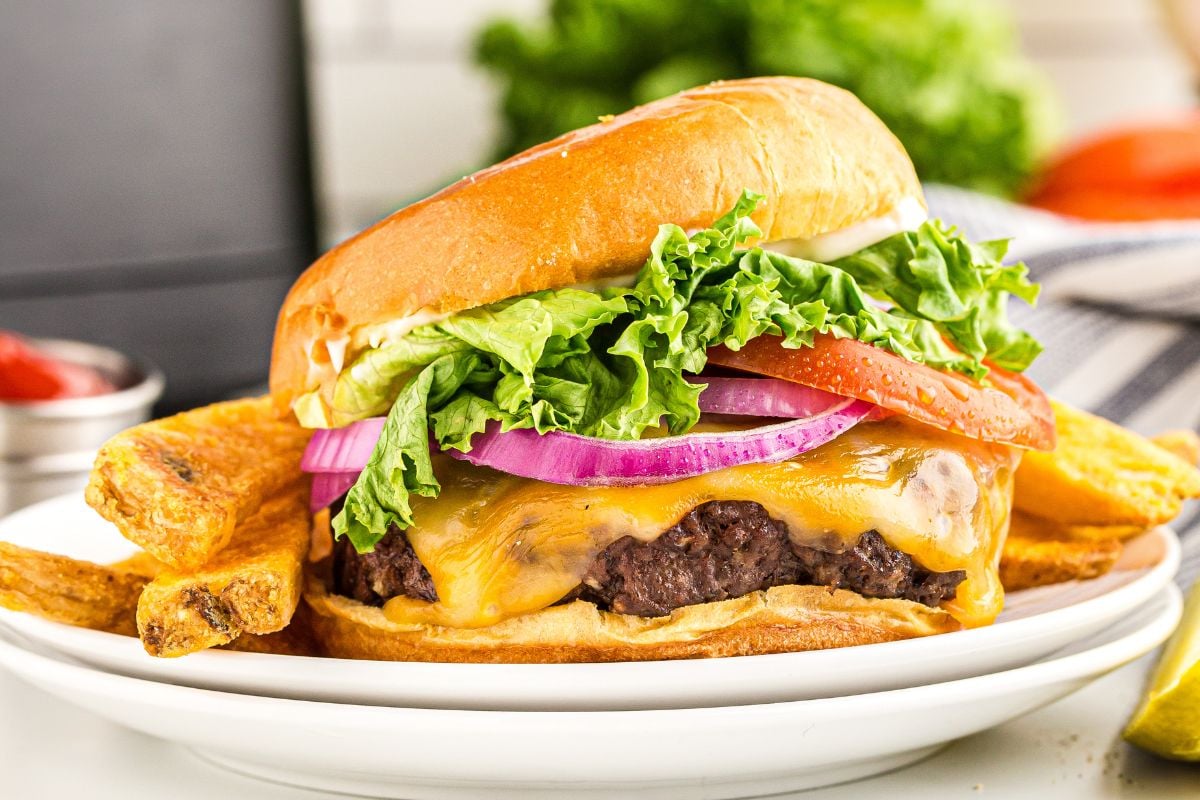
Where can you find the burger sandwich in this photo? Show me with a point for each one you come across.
(701, 379)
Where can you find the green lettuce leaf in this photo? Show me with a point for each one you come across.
(613, 363)
(369, 386)
(960, 287)
(946, 76)
(400, 465)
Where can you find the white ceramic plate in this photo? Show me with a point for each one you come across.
(1036, 623)
(700, 752)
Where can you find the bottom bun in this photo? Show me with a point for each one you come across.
(778, 620)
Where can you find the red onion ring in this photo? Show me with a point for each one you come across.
(329, 486)
(573, 460)
(763, 397)
(342, 449)
(337, 456)
(348, 449)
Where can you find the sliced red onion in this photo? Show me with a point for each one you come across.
(338, 456)
(347, 449)
(566, 458)
(329, 486)
(342, 449)
(763, 397)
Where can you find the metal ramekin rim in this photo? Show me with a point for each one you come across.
(143, 393)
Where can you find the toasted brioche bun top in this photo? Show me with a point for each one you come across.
(585, 207)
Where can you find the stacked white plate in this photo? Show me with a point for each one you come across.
(708, 728)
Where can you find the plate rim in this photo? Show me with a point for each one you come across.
(759, 750)
(1109, 654)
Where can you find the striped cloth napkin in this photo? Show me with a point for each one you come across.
(1119, 316)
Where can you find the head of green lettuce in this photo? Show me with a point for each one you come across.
(946, 76)
(612, 363)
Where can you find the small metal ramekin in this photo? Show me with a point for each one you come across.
(47, 447)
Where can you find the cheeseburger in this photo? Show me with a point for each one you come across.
(698, 380)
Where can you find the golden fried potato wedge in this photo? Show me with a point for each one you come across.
(1077, 533)
(251, 586)
(1103, 474)
(1038, 552)
(177, 487)
(62, 589)
(1182, 443)
(140, 563)
(297, 639)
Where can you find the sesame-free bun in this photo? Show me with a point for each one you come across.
(779, 620)
(585, 206)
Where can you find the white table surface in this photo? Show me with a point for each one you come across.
(50, 749)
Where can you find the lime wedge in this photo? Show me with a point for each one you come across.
(1168, 721)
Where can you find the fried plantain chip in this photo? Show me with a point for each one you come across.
(140, 563)
(105, 597)
(1103, 474)
(177, 487)
(1182, 443)
(1083, 533)
(62, 589)
(297, 639)
(251, 586)
(1038, 552)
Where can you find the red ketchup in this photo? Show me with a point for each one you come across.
(28, 375)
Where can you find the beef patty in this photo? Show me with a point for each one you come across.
(719, 550)
(391, 569)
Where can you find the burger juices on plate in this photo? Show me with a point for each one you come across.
(698, 380)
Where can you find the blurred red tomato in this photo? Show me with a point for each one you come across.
(1149, 172)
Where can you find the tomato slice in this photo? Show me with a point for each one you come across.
(1148, 172)
(1010, 409)
(1163, 156)
(1122, 206)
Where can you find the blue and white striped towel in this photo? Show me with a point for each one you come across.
(1119, 315)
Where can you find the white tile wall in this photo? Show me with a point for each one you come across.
(390, 130)
(1112, 61)
(399, 110)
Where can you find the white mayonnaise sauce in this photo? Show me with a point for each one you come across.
(906, 216)
(337, 352)
(375, 335)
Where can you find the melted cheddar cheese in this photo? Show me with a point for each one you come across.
(497, 546)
